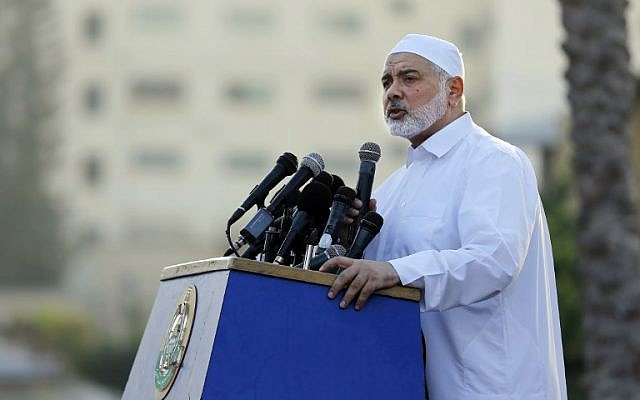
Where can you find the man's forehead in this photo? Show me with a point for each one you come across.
(399, 61)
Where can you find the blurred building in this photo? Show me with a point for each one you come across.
(172, 111)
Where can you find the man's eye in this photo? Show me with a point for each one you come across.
(409, 78)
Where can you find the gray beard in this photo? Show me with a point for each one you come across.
(419, 120)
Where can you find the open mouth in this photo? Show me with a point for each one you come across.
(396, 113)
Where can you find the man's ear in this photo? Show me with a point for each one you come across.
(455, 91)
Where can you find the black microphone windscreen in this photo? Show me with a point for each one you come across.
(336, 184)
(321, 217)
(325, 178)
(345, 194)
(289, 201)
(314, 198)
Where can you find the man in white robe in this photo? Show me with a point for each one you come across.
(463, 222)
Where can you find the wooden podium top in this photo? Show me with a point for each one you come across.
(279, 271)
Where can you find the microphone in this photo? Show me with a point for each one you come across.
(286, 165)
(314, 200)
(316, 262)
(325, 178)
(370, 225)
(336, 184)
(311, 165)
(369, 154)
(341, 203)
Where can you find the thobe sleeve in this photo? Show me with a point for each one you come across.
(495, 221)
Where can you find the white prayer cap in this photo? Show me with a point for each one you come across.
(440, 52)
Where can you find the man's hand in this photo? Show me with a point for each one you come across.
(362, 277)
(354, 211)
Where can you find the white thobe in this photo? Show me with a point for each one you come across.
(464, 222)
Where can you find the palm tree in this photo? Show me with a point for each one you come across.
(31, 247)
(601, 95)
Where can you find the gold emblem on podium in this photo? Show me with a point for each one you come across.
(174, 344)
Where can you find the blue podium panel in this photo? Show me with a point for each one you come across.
(283, 339)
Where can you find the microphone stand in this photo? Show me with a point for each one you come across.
(310, 252)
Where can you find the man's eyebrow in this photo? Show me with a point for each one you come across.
(404, 71)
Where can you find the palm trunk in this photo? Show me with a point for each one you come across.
(601, 94)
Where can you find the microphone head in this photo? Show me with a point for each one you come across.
(345, 195)
(372, 221)
(314, 162)
(369, 152)
(289, 162)
(315, 198)
(325, 178)
(336, 184)
(292, 200)
(336, 250)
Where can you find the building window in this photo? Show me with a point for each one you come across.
(250, 20)
(156, 91)
(402, 8)
(473, 36)
(339, 90)
(93, 99)
(90, 236)
(158, 230)
(249, 92)
(92, 171)
(345, 22)
(247, 162)
(93, 26)
(157, 160)
(158, 18)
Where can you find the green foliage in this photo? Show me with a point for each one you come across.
(77, 342)
(61, 331)
(561, 216)
(109, 363)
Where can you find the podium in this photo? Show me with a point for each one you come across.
(231, 328)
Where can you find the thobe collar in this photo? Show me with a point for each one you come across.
(442, 141)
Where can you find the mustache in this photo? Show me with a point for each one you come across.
(397, 105)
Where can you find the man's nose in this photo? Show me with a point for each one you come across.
(394, 91)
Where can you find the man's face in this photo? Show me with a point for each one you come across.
(413, 99)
